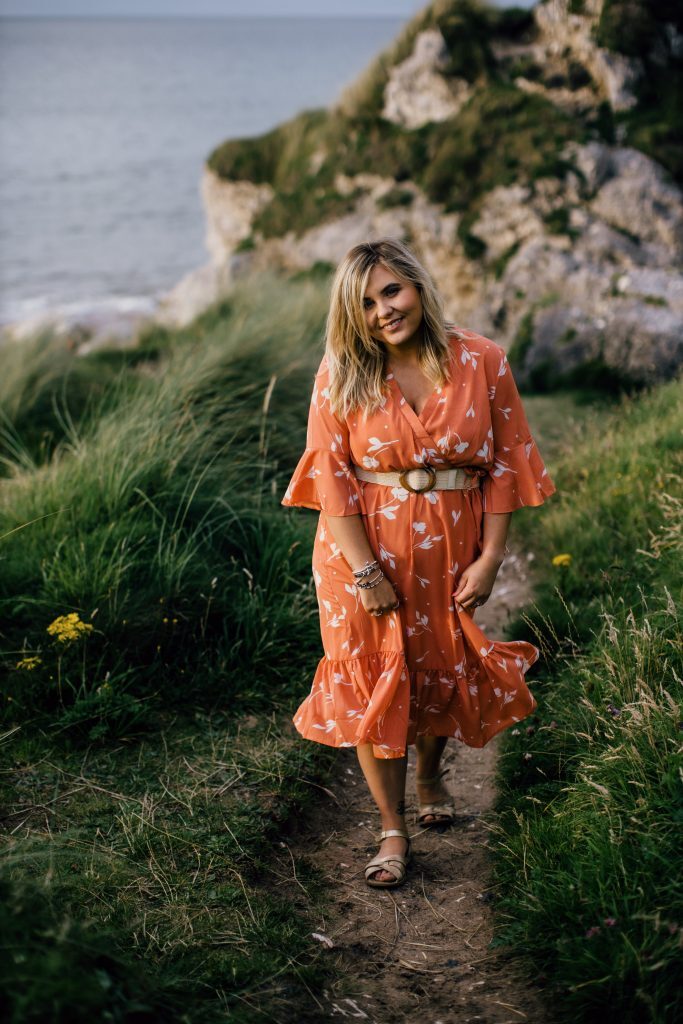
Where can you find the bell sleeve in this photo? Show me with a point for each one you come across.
(518, 476)
(323, 478)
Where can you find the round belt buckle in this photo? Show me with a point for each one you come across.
(405, 473)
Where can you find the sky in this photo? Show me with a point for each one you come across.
(196, 8)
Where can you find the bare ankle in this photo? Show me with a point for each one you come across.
(390, 821)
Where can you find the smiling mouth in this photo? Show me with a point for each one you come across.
(393, 324)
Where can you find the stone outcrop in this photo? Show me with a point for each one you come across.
(608, 291)
(417, 92)
(608, 296)
(635, 196)
(230, 209)
(566, 35)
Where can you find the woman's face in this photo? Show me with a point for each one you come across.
(393, 307)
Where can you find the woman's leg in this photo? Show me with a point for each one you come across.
(386, 779)
(429, 750)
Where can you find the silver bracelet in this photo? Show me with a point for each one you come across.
(366, 570)
(371, 583)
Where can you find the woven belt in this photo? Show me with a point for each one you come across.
(419, 479)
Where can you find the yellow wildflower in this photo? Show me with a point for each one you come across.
(562, 560)
(29, 663)
(69, 627)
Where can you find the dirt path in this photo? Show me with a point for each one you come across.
(420, 952)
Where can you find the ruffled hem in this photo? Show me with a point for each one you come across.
(323, 481)
(376, 699)
(360, 700)
(518, 478)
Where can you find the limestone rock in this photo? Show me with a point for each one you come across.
(506, 219)
(417, 92)
(564, 32)
(635, 343)
(230, 210)
(638, 197)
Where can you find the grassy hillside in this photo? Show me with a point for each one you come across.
(158, 626)
(152, 513)
(150, 881)
(591, 804)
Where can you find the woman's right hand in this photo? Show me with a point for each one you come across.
(380, 599)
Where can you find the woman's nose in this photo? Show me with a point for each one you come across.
(384, 308)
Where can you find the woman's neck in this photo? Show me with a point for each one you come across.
(404, 355)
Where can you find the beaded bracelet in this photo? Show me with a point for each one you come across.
(371, 583)
(367, 570)
(366, 566)
(368, 586)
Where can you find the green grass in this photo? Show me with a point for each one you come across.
(148, 777)
(156, 518)
(453, 162)
(591, 802)
(152, 881)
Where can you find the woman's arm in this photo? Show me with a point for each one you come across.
(476, 581)
(350, 535)
(494, 535)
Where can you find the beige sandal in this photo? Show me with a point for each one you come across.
(395, 863)
(442, 814)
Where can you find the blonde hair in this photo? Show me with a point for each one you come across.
(355, 359)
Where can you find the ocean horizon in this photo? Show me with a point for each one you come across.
(103, 137)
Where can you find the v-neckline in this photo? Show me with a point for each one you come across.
(391, 377)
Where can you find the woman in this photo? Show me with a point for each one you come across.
(418, 451)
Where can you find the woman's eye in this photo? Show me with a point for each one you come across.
(391, 289)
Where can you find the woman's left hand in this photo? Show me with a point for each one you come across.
(476, 582)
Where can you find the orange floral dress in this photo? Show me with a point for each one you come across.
(424, 669)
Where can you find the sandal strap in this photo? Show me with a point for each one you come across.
(394, 832)
(437, 811)
(395, 865)
(399, 858)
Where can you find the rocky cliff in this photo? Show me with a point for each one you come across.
(531, 157)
